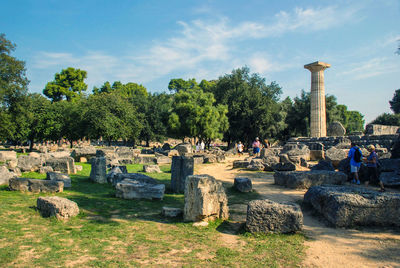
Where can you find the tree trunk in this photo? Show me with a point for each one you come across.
(31, 145)
(147, 143)
(109, 142)
(71, 145)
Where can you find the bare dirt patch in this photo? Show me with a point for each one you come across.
(326, 246)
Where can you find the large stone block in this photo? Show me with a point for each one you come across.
(99, 169)
(29, 163)
(375, 129)
(240, 163)
(132, 176)
(182, 166)
(306, 179)
(84, 152)
(63, 165)
(336, 155)
(59, 207)
(243, 185)
(145, 160)
(184, 148)
(349, 206)
(8, 156)
(36, 186)
(336, 129)
(266, 216)
(323, 165)
(151, 169)
(5, 175)
(134, 189)
(205, 199)
(55, 176)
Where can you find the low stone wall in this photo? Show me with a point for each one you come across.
(385, 141)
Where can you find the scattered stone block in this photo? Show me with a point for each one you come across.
(256, 165)
(269, 162)
(63, 164)
(182, 166)
(59, 207)
(132, 176)
(205, 199)
(349, 206)
(184, 148)
(336, 155)
(240, 163)
(162, 160)
(266, 216)
(5, 175)
(336, 129)
(172, 153)
(323, 165)
(8, 156)
(134, 189)
(98, 171)
(170, 212)
(29, 163)
(198, 159)
(151, 169)
(306, 179)
(55, 176)
(243, 185)
(390, 179)
(284, 167)
(45, 169)
(145, 160)
(210, 158)
(36, 186)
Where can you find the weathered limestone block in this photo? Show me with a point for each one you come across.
(151, 169)
(59, 154)
(99, 169)
(256, 165)
(29, 163)
(125, 152)
(145, 160)
(182, 166)
(119, 177)
(336, 129)
(240, 163)
(375, 129)
(170, 212)
(306, 179)
(55, 176)
(323, 165)
(210, 158)
(348, 206)
(83, 152)
(172, 153)
(269, 162)
(8, 156)
(45, 169)
(266, 216)
(134, 189)
(243, 185)
(5, 175)
(390, 179)
(205, 199)
(284, 167)
(36, 186)
(59, 207)
(336, 155)
(184, 148)
(270, 152)
(63, 165)
(161, 160)
(198, 159)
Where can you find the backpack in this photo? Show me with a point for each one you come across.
(357, 155)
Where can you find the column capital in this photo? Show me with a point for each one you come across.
(317, 66)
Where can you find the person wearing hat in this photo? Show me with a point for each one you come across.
(256, 147)
(372, 166)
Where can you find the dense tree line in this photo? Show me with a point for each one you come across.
(236, 106)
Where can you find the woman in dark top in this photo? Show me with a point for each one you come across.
(372, 166)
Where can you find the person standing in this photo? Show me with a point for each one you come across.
(256, 147)
(355, 156)
(372, 165)
(240, 148)
(202, 146)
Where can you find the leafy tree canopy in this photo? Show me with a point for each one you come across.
(68, 84)
(395, 102)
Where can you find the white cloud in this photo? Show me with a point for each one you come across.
(370, 68)
(198, 44)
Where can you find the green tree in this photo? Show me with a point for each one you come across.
(181, 85)
(395, 102)
(111, 117)
(195, 115)
(252, 105)
(387, 119)
(13, 94)
(69, 83)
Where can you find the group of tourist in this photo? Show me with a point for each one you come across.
(256, 145)
(356, 158)
(200, 146)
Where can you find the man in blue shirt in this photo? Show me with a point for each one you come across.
(355, 162)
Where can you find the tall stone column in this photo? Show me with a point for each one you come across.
(318, 108)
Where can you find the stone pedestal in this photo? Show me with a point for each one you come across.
(318, 108)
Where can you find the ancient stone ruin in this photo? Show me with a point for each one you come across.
(59, 207)
(182, 166)
(205, 199)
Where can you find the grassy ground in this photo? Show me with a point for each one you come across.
(112, 232)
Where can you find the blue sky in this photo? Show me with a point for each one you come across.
(150, 42)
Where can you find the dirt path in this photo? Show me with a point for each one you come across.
(326, 247)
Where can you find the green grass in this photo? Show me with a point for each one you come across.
(113, 232)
